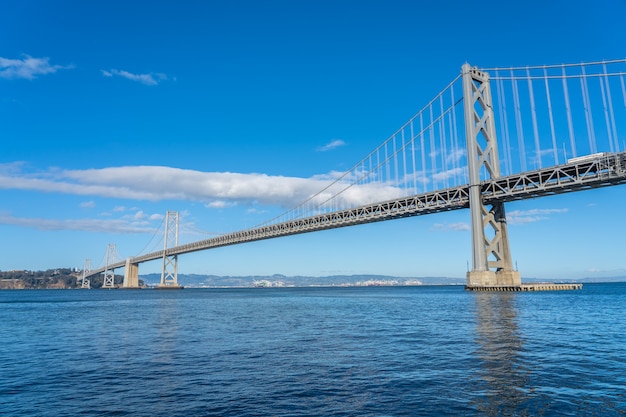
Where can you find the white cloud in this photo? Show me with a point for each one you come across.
(455, 155)
(451, 173)
(88, 204)
(219, 204)
(215, 189)
(332, 145)
(147, 79)
(88, 225)
(27, 67)
(455, 227)
(531, 216)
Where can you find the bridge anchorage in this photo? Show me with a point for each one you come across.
(420, 169)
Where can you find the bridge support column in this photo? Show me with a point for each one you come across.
(491, 256)
(131, 275)
(85, 283)
(169, 273)
(109, 274)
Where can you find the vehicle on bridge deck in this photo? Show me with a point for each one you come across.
(589, 157)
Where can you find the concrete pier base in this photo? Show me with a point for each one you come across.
(509, 281)
(493, 278)
(131, 275)
(525, 287)
(168, 287)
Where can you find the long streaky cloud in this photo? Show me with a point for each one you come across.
(147, 79)
(531, 216)
(332, 145)
(89, 225)
(28, 67)
(215, 189)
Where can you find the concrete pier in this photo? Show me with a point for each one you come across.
(525, 287)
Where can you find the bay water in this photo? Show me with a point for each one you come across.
(358, 351)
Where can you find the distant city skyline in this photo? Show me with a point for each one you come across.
(231, 113)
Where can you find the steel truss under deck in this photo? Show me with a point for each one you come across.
(609, 169)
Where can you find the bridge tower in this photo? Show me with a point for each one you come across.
(169, 273)
(109, 274)
(491, 263)
(86, 270)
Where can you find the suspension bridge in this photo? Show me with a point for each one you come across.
(491, 136)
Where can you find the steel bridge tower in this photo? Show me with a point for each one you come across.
(86, 270)
(491, 263)
(169, 273)
(109, 274)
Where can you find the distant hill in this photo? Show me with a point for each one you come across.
(277, 280)
(59, 278)
(588, 280)
(67, 278)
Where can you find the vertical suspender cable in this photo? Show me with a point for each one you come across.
(531, 95)
(455, 136)
(551, 117)
(607, 118)
(590, 131)
(452, 156)
(442, 141)
(518, 123)
(433, 154)
(395, 162)
(378, 168)
(387, 165)
(403, 162)
(623, 89)
(423, 153)
(611, 113)
(413, 158)
(568, 109)
(504, 126)
(370, 174)
(624, 97)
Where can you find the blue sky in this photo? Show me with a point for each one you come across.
(114, 112)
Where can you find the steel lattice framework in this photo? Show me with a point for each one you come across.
(547, 116)
(490, 241)
(169, 274)
(85, 283)
(600, 171)
(109, 269)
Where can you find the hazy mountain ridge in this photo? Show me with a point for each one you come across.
(278, 280)
(67, 278)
